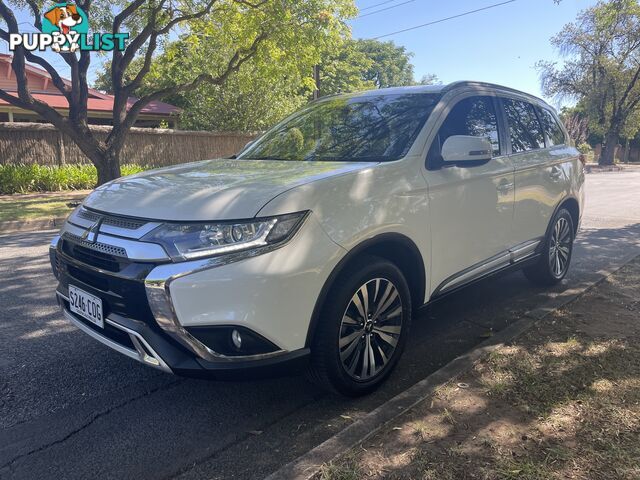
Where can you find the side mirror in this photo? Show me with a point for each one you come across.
(463, 148)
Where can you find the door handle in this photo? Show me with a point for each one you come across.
(504, 188)
(556, 173)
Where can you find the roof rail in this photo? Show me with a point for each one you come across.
(472, 83)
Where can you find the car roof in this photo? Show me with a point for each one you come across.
(442, 89)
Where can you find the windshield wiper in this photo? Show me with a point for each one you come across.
(269, 158)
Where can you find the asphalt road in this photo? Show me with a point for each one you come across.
(71, 408)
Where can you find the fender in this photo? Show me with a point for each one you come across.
(555, 212)
(369, 244)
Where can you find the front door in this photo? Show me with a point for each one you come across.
(471, 205)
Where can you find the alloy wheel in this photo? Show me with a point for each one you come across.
(560, 247)
(370, 329)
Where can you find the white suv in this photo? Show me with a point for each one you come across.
(316, 244)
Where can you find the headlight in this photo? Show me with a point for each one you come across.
(187, 241)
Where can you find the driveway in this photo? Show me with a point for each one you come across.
(71, 408)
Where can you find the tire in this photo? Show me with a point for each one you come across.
(556, 253)
(344, 334)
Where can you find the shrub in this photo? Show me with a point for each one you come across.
(41, 178)
(585, 148)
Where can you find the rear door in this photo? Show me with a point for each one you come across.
(540, 177)
(471, 205)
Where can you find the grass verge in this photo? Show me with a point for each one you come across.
(561, 402)
(40, 206)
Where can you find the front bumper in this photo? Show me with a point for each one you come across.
(153, 349)
(207, 297)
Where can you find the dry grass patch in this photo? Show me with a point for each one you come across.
(562, 402)
(32, 207)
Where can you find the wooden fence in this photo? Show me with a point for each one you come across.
(29, 143)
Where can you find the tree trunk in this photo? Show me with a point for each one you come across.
(108, 167)
(607, 157)
(106, 158)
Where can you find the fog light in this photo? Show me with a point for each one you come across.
(232, 340)
(236, 338)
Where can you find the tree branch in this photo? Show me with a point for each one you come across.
(630, 86)
(251, 4)
(13, 100)
(185, 18)
(37, 16)
(146, 67)
(125, 14)
(56, 79)
(234, 64)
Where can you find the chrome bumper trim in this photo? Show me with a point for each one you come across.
(85, 219)
(143, 352)
(135, 250)
(158, 284)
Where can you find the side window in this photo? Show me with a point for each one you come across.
(473, 116)
(555, 135)
(524, 127)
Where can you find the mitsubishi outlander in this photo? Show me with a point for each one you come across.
(315, 245)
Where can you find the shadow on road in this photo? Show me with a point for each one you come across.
(57, 383)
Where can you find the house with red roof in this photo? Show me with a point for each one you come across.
(100, 104)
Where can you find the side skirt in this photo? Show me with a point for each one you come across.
(515, 259)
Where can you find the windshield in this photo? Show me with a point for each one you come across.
(349, 128)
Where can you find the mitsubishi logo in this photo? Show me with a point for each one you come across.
(91, 234)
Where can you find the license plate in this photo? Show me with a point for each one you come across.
(86, 305)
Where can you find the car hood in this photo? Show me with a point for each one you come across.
(211, 190)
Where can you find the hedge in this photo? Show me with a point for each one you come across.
(40, 178)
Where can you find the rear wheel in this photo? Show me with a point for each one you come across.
(556, 254)
(363, 328)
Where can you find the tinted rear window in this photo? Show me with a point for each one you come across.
(525, 130)
(555, 135)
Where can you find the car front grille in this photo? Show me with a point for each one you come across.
(98, 247)
(122, 293)
(98, 255)
(88, 278)
(119, 222)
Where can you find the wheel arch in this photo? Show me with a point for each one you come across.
(398, 249)
(573, 207)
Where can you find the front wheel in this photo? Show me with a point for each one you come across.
(556, 254)
(363, 328)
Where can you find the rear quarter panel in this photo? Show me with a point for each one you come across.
(538, 192)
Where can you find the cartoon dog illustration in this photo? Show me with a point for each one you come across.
(65, 18)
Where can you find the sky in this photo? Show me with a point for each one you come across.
(500, 45)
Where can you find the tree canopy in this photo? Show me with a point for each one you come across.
(234, 33)
(275, 82)
(365, 64)
(602, 69)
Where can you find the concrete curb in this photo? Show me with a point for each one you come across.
(618, 167)
(18, 226)
(309, 464)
